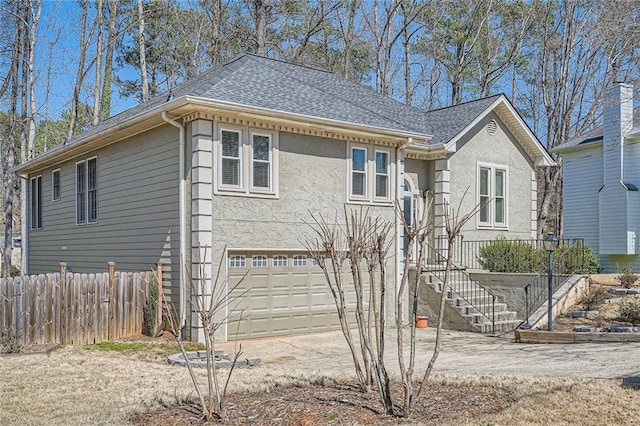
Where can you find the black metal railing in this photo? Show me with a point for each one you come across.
(536, 292)
(478, 297)
(516, 256)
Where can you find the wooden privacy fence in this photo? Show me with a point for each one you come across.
(73, 309)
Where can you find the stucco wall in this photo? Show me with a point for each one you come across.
(313, 179)
(508, 288)
(500, 149)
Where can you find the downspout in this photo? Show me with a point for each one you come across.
(183, 228)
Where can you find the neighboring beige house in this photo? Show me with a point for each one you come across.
(601, 179)
(237, 158)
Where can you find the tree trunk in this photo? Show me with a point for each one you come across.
(75, 100)
(98, 79)
(105, 98)
(143, 56)
(261, 10)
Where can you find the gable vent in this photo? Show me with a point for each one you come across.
(492, 127)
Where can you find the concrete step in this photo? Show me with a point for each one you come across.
(467, 309)
(500, 326)
(478, 318)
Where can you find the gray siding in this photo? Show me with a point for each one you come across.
(582, 179)
(500, 149)
(137, 211)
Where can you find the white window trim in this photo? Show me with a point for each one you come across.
(367, 191)
(240, 132)
(268, 189)
(246, 188)
(53, 198)
(84, 188)
(240, 259)
(259, 261)
(85, 185)
(370, 169)
(299, 261)
(491, 224)
(280, 258)
(38, 224)
(95, 157)
(388, 175)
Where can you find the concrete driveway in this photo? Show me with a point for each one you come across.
(462, 353)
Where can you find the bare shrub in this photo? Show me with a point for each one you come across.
(627, 278)
(9, 342)
(364, 240)
(592, 298)
(630, 310)
(212, 306)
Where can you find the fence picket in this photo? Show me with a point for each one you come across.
(71, 308)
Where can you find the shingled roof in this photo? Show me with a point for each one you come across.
(446, 123)
(250, 82)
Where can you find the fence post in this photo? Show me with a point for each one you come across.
(63, 303)
(112, 305)
(158, 321)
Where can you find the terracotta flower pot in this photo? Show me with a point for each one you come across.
(422, 321)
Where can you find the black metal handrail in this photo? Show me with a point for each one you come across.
(466, 288)
(524, 256)
(536, 291)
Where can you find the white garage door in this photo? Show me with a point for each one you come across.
(285, 293)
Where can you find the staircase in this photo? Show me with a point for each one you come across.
(469, 305)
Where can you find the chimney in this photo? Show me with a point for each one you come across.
(617, 118)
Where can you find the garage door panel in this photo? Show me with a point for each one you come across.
(283, 300)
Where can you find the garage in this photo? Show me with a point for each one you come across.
(283, 293)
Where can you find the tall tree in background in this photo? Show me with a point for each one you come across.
(112, 36)
(142, 56)
(98, 63)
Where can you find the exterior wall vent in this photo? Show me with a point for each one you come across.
(492, 127)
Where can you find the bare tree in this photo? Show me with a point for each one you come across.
(85, 40)
(211, 306)
(98, 63)
(142, 53)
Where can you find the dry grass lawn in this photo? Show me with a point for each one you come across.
(72, 386)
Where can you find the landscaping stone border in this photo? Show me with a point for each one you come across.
(535, 336)
(199, 360)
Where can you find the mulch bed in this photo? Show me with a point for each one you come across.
(339, 404)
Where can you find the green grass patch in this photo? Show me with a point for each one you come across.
(141, 347)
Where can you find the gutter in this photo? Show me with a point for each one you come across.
(183, 227)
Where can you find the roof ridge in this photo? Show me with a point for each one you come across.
(467, 102)
(282, 61)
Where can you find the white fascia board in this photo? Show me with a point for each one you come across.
(272, 113)
(542, 160)
(61, 151)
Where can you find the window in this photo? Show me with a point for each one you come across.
(237, 262)
(55, 185)
(259, 261)
(92, 190)
(382, 174)
(300, 260)
(81, 195)
(87, 191)
(280, 261)
(492, 193)
(230, 158)
(358, 172)
(261, 161)
(370, 177)
(36, 202)
(247, 161)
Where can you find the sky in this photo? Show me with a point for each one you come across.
(58, 47)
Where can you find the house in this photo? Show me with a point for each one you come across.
(601, 178)
(235, 160)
